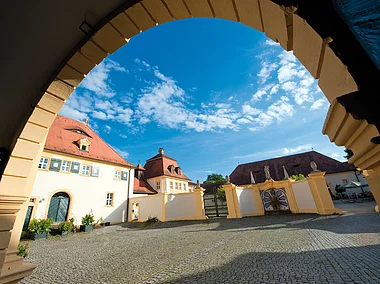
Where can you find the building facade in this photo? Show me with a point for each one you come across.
(78, 174)
(164, 175)
(336, 173)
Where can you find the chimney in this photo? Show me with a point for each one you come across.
(161, 151)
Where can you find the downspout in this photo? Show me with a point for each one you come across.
(129, 186)
(358, 180)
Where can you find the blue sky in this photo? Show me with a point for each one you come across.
(212, 93)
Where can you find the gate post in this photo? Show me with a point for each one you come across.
(199, 203)
(232, 201)
(321, 194)
(373, 179)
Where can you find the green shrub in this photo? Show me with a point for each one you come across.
(152, 220)
(41, 226)
(23, 249)
(88, 219)
(298, 177)
(65, 226)
(221, 194)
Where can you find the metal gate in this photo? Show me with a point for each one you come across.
(275, 200)
(214, 207)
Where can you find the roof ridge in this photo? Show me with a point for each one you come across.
(279, 158)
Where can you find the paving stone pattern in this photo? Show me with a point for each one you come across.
(269, 249)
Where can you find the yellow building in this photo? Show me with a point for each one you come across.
(163, 174)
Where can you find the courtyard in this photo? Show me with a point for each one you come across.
(270, 249)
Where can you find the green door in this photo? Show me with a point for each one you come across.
(59, 207)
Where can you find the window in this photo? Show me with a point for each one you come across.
(117, 175)
(158, 185)
(95, 171)
(171, 185)
(176, 186)
(109, 199)
(178, 170)
(124, 175)
(43, 163)
(55, 164)
(75, 167)
(85, 170)
(83, 148)
(180, 186)
(65, 167)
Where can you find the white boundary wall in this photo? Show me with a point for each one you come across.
(304, 197)
(247, 202)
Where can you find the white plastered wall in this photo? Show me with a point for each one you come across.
(149, 206)
(304, 198)
(247, 202)
(181, 206)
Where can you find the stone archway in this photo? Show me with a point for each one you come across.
(281, 24)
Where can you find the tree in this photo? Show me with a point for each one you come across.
(298, 177)
(221, 194)
(349, 153)
(215, 178)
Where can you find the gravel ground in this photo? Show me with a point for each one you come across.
(268, 249)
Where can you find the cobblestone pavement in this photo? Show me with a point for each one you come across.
(269, 249)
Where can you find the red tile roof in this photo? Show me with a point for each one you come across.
(158, 166)
(64, 134)
(294, 164)
(141, 187)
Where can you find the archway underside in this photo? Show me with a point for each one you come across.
(285, 25)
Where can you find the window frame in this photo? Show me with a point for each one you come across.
(110, 199)
(115, 177)
(171, 185)
(68, 169)
(176, 186)
(47, 164)
(158, 185)
(89, 170)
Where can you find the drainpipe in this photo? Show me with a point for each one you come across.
(129, 185)
(358, 180)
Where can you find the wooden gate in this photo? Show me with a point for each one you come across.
(275, 200)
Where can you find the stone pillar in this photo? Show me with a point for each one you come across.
(321, 195)
(164, 204)
(291, 198)
(199, 203)
(259, 202)
(232, 201)
(373, 179)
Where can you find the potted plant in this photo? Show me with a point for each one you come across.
(87, 223)
(65, 228)
(40, 228)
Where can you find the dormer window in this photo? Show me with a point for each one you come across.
(78, 131)
(171, 169)
(178, 170)
(84, 144)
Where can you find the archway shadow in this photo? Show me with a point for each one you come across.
(337, 265)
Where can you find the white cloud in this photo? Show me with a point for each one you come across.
(274, 89)
(107, 129)
(258, 95)
(338, 157)
(72, 113)
(247, 109)
(271, 42)
(122, 153)
(98, 80)
(318, 104)
(288, 151)
(265, 71)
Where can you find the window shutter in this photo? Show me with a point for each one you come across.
(124, 175)
(95, 171)
(55, 165)
(75, 167)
